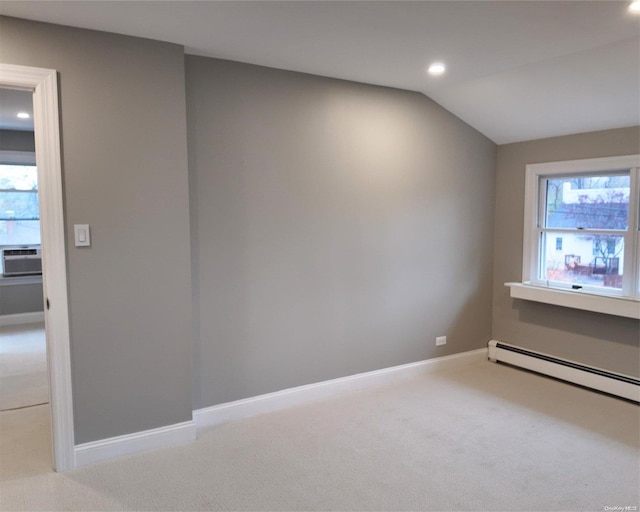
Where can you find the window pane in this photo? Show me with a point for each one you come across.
(19, 208)
(18, 177)
(19, 205)
(590, 202)
(591, 260)
(19, 232)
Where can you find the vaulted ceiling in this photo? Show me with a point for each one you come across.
(515, 70)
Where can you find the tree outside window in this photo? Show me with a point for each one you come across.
(19, 208)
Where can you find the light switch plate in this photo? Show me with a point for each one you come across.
(82, 235)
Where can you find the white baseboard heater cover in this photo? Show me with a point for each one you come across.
(602, 380)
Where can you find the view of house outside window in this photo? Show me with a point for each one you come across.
(19, 208)
(585, 218)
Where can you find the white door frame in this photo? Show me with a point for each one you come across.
(44, 84)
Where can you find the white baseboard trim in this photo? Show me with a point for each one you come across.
(22, 318)
(232, 411)
(104, 449)
(96, 451)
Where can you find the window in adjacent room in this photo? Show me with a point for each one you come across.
(581, 226)
(19, 208)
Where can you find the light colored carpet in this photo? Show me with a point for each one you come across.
(25, 442)
(487, 437)
(23, 366)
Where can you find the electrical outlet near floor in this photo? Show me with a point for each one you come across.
(441, 340)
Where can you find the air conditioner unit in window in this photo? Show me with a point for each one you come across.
(21, 261)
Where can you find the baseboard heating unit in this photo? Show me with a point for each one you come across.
(602, 380)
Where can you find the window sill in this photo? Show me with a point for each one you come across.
(17, 280)
(617, 306)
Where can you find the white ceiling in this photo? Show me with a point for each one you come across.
(13, 101)
(516, 70)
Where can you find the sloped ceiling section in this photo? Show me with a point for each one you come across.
(516, 70)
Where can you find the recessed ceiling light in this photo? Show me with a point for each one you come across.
(437, 68)
(634, 7)
(23, 115)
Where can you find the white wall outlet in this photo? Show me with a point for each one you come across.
(441, 340)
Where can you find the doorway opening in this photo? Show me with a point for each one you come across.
(25, 417)
(43, 85)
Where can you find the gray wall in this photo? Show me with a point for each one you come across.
(21, 298)
(15, 140)
(604, 341)
(125, 173)
(336, 228)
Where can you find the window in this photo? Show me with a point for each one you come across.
(19, 208)
(559, 243)
(581, 226)
(599, 248)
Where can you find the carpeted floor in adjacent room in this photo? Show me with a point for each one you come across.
(23, 366)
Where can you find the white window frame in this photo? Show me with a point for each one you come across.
(625, 302)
